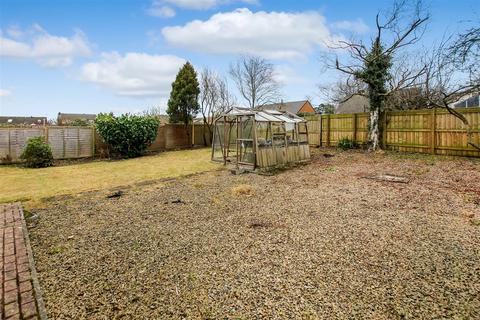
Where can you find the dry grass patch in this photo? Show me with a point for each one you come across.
(242, 190)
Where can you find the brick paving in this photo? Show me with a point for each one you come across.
(20, 293)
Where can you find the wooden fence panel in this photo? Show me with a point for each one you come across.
(451, 133)
(341, 126)
(433, 131)
(66, 142)
(362, 128)
(313, 127)
(55, 139)
(201, 135)
(4, 144)
(85, 146)
(13, 142)
(71, 143)
(84, 142)
(409, 132)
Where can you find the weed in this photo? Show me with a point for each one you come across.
(346, 143)
(242, 189)
(27, 214)
(56, 250)
(198, 185)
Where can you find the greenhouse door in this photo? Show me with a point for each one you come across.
(246, 152)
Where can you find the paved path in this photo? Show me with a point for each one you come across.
(20, 294)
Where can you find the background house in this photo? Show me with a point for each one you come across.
(22, 121)
(355, 104)
(295, 107)
(470, 102)
(68, 119)
(404, 99)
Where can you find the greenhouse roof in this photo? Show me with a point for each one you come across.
(266, 115)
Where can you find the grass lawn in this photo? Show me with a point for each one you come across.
(32, 185)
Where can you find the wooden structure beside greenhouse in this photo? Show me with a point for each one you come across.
(252, 139)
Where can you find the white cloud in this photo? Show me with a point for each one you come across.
(277, 35)
(356, 26)
(194, 4)
(48, 50)
(134, 74)
(286, 74)
(204, 4)
(161, 11)
(5, 93)
(15, 32)
(163, 8)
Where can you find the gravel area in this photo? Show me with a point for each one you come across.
(316, 241)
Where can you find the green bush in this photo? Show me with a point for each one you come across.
(79, 123)
(346, 143)
(128, 135)
(37, 153)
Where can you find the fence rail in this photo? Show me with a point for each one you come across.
(85, 142)
(433, 131)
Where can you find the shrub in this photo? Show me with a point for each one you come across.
(128, 135)
(79, 123)
(346, 143)
(37, 153)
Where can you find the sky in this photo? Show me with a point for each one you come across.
(91, 56)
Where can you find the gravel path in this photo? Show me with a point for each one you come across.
(317, 241)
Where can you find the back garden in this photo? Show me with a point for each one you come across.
(324, 242)
(175, 235)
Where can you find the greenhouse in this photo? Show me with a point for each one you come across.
(251, 139)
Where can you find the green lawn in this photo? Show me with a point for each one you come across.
(32, 185)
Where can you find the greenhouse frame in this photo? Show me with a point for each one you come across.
(251, 139)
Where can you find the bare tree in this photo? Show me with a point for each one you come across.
(400, 97)
(215, 98)
(342, 90)
(154, 111)
(255, 80)
(464, 52)
(372, 64)
(453, 73)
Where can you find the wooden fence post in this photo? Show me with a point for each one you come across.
(9, 143)
(433, 127)
(78, 142)
(320, 141)
(328, 130)
(355, 127)
(93, 142)
(193, 133)
(64, 144)
(384, 131)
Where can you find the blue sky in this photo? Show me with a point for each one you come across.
(95, 56)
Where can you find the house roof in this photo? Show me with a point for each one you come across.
(74, 116)
(469, 102)
(11, 120)
(291, 106)
(354, 104)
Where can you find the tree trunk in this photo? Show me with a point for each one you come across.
(374, 130)
(207, 134)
